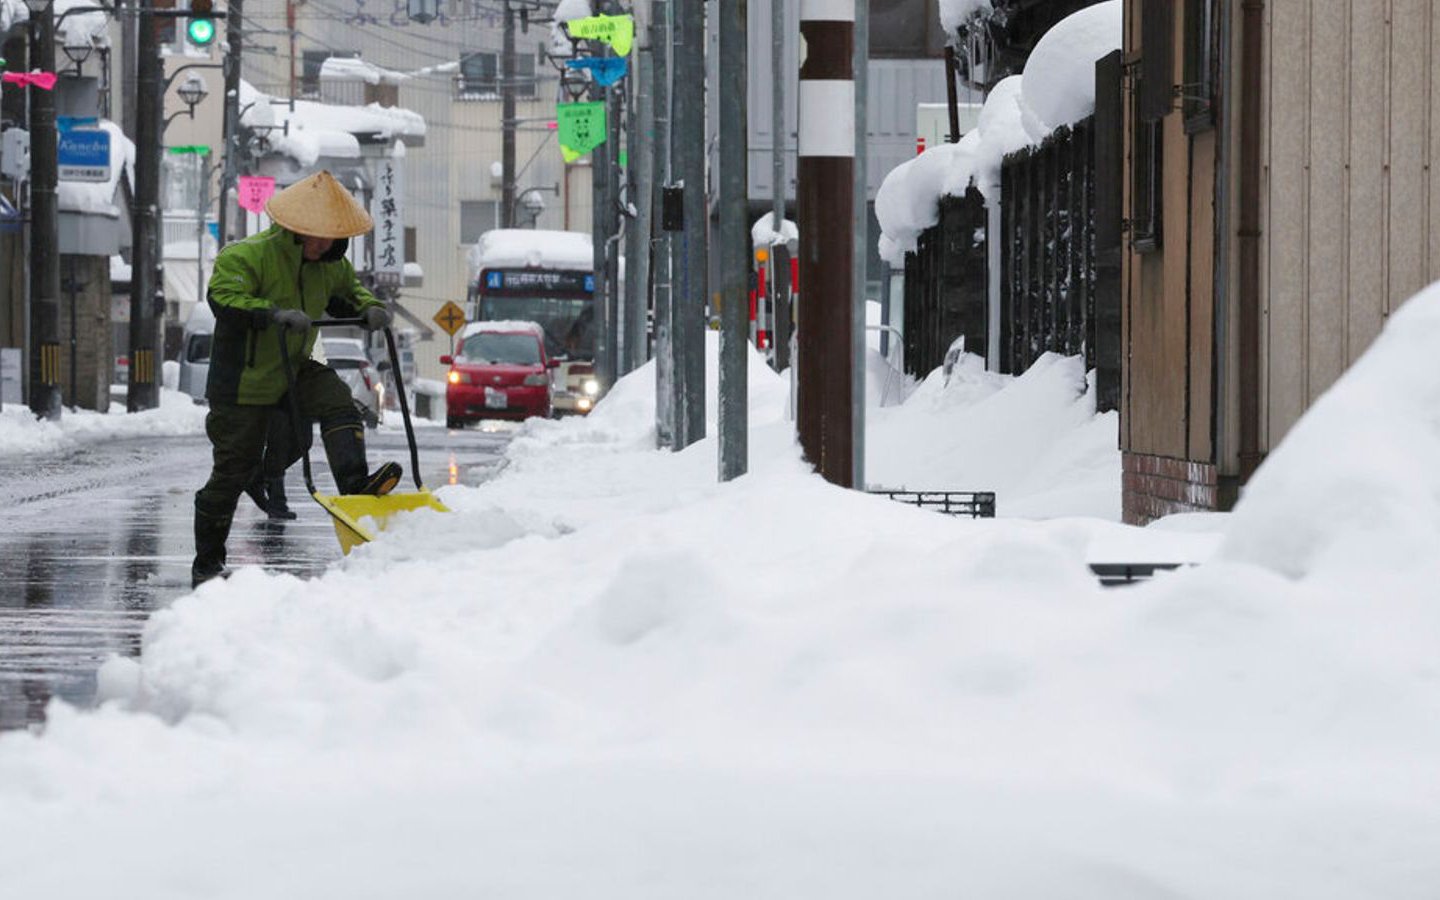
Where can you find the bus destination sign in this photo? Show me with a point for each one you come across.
(533, 282)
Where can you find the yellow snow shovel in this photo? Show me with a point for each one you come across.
(359, 517)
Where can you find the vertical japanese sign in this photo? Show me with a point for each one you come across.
(386, 208)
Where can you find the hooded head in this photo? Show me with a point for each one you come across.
(319, 207)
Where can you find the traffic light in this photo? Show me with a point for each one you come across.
(200, 25)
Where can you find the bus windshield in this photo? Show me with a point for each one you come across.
(568, 322)
(502, 347)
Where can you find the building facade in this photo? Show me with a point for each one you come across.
(1280, 206)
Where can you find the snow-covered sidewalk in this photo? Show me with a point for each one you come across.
(22, 434)
(605, 675)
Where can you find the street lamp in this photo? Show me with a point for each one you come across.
(191, 91)
(78, 52)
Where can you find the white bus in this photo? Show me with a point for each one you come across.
(545, 277)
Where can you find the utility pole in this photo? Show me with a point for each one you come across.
(734, 240)
(607, 367)
(826, 212)
(507, 120)
(779, 253)
(642, 165)
(690, 252)
(45, 399)
(143, 391)
(234, 36)
(861, 236)
(664, 296)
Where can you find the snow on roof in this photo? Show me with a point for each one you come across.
(119, 269)
(352, 68)
(97, 198)
(502, 326)
(532, 248)
(1056, 89)
(324, 129)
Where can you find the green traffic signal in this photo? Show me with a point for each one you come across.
(201, 32)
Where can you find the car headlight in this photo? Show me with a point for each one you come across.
(459, 377)
(591, 387)
(583, 404)
(537, 379)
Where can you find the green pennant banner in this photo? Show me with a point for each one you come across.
(581, 127)
(617, 31)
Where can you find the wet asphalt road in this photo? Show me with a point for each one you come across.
(94, 540)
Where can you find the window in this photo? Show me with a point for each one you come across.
(905, 29)
(1145, 185)
(313, 60)
(1201, 62)
(480, 75)
(476, 218)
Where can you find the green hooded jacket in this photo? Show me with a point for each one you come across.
(263, 272)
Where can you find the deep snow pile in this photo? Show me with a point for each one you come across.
(605, 675)
(1056, 457)
(21, 433)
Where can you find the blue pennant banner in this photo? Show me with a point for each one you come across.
(606, 70)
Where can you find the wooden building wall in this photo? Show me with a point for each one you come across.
(1350, 211)
(1168, 307)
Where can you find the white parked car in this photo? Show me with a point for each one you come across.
(348, 358)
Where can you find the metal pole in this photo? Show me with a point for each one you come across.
(664, 346)
(143, 391)
(231, 125)
(607, 367)
(734, 240)
(691, 257)
(202, 202)
(862, 243)
(45, 397)
(507, 121)
(637, 236)
(826, 212)
(779, 264)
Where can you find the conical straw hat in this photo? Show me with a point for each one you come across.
(319, 206)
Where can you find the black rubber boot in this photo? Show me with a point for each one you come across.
(345, 448)
(279, 507)
(212, 529)
(256, 491)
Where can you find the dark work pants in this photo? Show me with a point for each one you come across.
(238, 435)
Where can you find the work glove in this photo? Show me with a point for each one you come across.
(377, 317)
(290, 319)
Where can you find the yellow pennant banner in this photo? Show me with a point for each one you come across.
(617, 31)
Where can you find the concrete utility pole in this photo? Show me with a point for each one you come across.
(826, 212)
(735, 249)
(642, 174)
(144, 389)
(229, 178)
(507, 120)
(779, 254)
(45, 399)
(607, 366)
(861, 235)
(690, 254)
(664, 345)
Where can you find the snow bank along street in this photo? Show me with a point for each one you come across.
(605, 675)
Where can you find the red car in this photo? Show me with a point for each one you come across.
(500, 372)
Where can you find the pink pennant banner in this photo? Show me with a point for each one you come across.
(254, 190)
(42, 80)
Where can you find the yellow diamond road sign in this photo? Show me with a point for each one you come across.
(450, 317)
